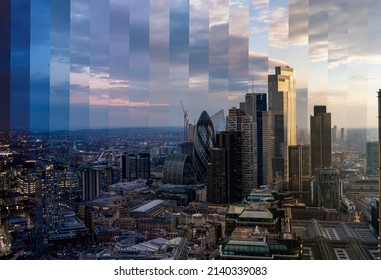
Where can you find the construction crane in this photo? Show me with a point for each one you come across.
(185, 122)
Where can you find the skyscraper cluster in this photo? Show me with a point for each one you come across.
(259, 146)
(254, 148)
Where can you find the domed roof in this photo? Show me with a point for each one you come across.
(204, 117)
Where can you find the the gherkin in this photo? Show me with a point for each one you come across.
(203, 141)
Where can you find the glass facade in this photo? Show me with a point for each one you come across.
(203, 142)
(178, 169)
(282, 103)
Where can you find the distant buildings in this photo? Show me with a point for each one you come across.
(372, 158)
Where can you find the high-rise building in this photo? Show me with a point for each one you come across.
(371, 158)
(245, 151)
(282, 104)
(320, 138)
(136, 166)
(218, 120)
(90, 183)
(263, 119)
(334, 134)
(217, 179)
(327, 186)
(97, 178)
(300, 172)
(204, 140)
(220, 170)
(342, 135)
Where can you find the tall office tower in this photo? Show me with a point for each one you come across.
(342, 135)
(90, 183)
(372, 158)
(220, 170)
(250, 106)
(334, 134)
(191, 132)
(245, 153)
(263, 119)
(203, 141)
(217, 173)
(379, 173)
(218, 120)
(300, 172)
(320, 138)
(135, 166)
(282, 105)
(327, 185)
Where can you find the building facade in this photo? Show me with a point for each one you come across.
(136, 166)
(300, 172)
(282, 104)
(320, 138)
(243, 129)
(372, 158)
(328, 186)
(204, 140)
(178, 169)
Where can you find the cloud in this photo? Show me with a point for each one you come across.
(278, 27)
(298, 22)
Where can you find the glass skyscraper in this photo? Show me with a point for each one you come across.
(204, 140)
(282, 104)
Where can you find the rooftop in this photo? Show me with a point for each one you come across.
(146, 207)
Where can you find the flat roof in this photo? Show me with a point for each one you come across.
(256, 214)
(148, 206)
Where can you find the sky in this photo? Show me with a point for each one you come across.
(75, 64)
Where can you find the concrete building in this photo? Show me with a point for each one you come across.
(258, 244)
(336, 240)
(300, 172)
(328, 187)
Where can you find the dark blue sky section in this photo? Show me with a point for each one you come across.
(179, 32)
(39, 65)
(139, 56)
(60, 65)
(20, 64)
(5, 60)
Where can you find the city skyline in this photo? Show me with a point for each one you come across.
(106, 64)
